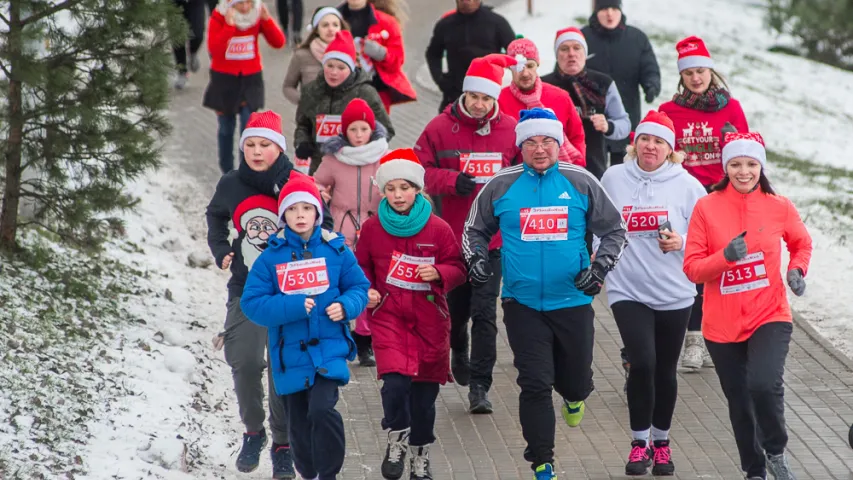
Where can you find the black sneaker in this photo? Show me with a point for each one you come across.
(250, 453)
(364, 347)
(460, 367)
(478, 397)
(394, 462)
(640, 458)
(662, 459)
(419, 469)
(282, 463)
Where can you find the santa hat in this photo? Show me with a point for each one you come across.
(659, 125)
(571, 34)
(357, 109)
(744, 145)
(524, 47)
(485, 74)
(266, 125)
(602, 4)
(254, 206)
(322, 12)
(341, 48)
(538, 121)
(693, 54)
(400, 164)
(299, 188)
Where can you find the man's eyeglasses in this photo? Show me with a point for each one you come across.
(533, 146)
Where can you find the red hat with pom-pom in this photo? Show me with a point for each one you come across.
(485, 74)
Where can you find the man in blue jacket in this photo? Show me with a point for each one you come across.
(543, 209)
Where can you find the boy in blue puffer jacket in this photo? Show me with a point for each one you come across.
(305, 288)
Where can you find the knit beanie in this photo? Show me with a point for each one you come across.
(266, 125)
(524, 47)
(692, 53)
(341, 48)
(299, 188)
(744, 145)
(602, 4)
(400, 164)
(538, 121)
(658, 124)
(357, 109)
(485, 74)
(322, 12)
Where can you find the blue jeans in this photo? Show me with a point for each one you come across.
(227, 124)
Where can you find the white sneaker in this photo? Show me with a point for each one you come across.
(181, 81)
(694, 350)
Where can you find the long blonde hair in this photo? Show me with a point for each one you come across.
(396, 8)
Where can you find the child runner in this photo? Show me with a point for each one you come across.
(412, 259)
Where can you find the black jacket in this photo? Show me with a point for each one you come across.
(464, 38)
(248, 194)
(626, 55)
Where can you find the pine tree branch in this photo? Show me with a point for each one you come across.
(50, 11)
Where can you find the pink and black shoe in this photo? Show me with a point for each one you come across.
(663, 466)
(640, 458)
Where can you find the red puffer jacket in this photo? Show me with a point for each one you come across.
(411, 329)
(386, 32)
(450, 136)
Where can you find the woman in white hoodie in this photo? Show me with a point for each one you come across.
(649, 294)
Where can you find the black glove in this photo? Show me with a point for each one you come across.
(736, 249)
(651, 95)
(465, 184)
(797, 282)
(589, 281)
(479, 270)
(305, 150)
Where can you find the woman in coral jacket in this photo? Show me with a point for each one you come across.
(236, 73)
(375, 26)
(734, 249)
(699, 110)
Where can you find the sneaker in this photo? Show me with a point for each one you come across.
(707, 362)
(181, 80)
(640, 458)
(779, 468)
(250, 453)
(419, 468)
(573, 412)
(194, 65)
(693, 351)
(460, 367)
(626, 365)
(478, 397)
(544, 472)
(394, 462)
(662, 459)
(282, 463)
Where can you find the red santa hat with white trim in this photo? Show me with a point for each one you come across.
(692, 53)
(570, 34)
(485, 74)
(658, 124)
(299, 188)
(400, 164)
(341, 48)
(265, 125)
(749, 144)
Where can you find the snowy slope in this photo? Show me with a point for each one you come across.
(803, 109)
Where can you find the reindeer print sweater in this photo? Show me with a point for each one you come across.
(697, 134)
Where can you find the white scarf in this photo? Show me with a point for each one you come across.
(367, 154)
(243, 21)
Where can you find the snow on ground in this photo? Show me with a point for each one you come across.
(803, 109)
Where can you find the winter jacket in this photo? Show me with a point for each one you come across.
(742, 296)
(235, 63)
(318, 98)
(303, 345)
(303, 69)
(411, 328)
(349, 172)
(385, 30)
(647, 200)
(557, 100)
(543, 219)
(697, 134)
(464, 37)
(626, 55)
(607, 102)
(440, 149)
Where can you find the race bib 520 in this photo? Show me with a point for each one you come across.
(644, 221)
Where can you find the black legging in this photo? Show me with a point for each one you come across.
(193, 11)
(653, 341)
(695, 324)
(296, 6)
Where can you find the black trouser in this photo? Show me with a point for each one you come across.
(447, 98)
(316, 430)
(193, 11)
(283, 15)
(751, 374)
(480, 305)
(551, 350)
(652, 340)
(617, 157)
(211, 5)
(409, 404)
(695, 324)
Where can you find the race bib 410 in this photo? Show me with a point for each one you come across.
(542, 224)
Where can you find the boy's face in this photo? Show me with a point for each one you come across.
(260, 153)
(300, 217)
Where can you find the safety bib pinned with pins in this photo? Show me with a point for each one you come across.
(327, 127)
(643, 221)
(303, 277)
(749, 273)
(481, 166)
(543, 224)
(404, 272)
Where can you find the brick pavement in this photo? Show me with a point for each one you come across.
(819, 393)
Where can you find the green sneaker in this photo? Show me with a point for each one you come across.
(573, 412)
(544, 472)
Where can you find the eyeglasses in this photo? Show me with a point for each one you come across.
(533, 146)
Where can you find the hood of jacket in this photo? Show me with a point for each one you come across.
(608, 32)
(647, 182)
(288, 238)
(336, 144)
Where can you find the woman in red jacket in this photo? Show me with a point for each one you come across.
(375, 26)
(699, 110)
(411, 258)
(236, 74)
(734, 249)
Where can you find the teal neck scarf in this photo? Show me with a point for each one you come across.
(405, 225)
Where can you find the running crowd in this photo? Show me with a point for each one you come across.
(526, 196)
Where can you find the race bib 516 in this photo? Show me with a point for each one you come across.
(482, 166)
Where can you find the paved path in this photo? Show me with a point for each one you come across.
(819, 390)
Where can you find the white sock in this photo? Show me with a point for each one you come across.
(658, 434)
(641, 435)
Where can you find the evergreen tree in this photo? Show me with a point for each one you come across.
(83, 88)
(823, 27)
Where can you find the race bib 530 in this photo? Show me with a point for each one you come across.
(303, 277)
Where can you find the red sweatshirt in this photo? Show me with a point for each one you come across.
(234, 51)
(697, 134)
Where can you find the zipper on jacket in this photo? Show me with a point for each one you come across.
(358, 205)
(381, 303)
(541, 254)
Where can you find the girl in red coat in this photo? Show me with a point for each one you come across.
(411, 258)
(699, 111)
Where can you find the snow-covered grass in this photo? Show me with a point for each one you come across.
(803, 109)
